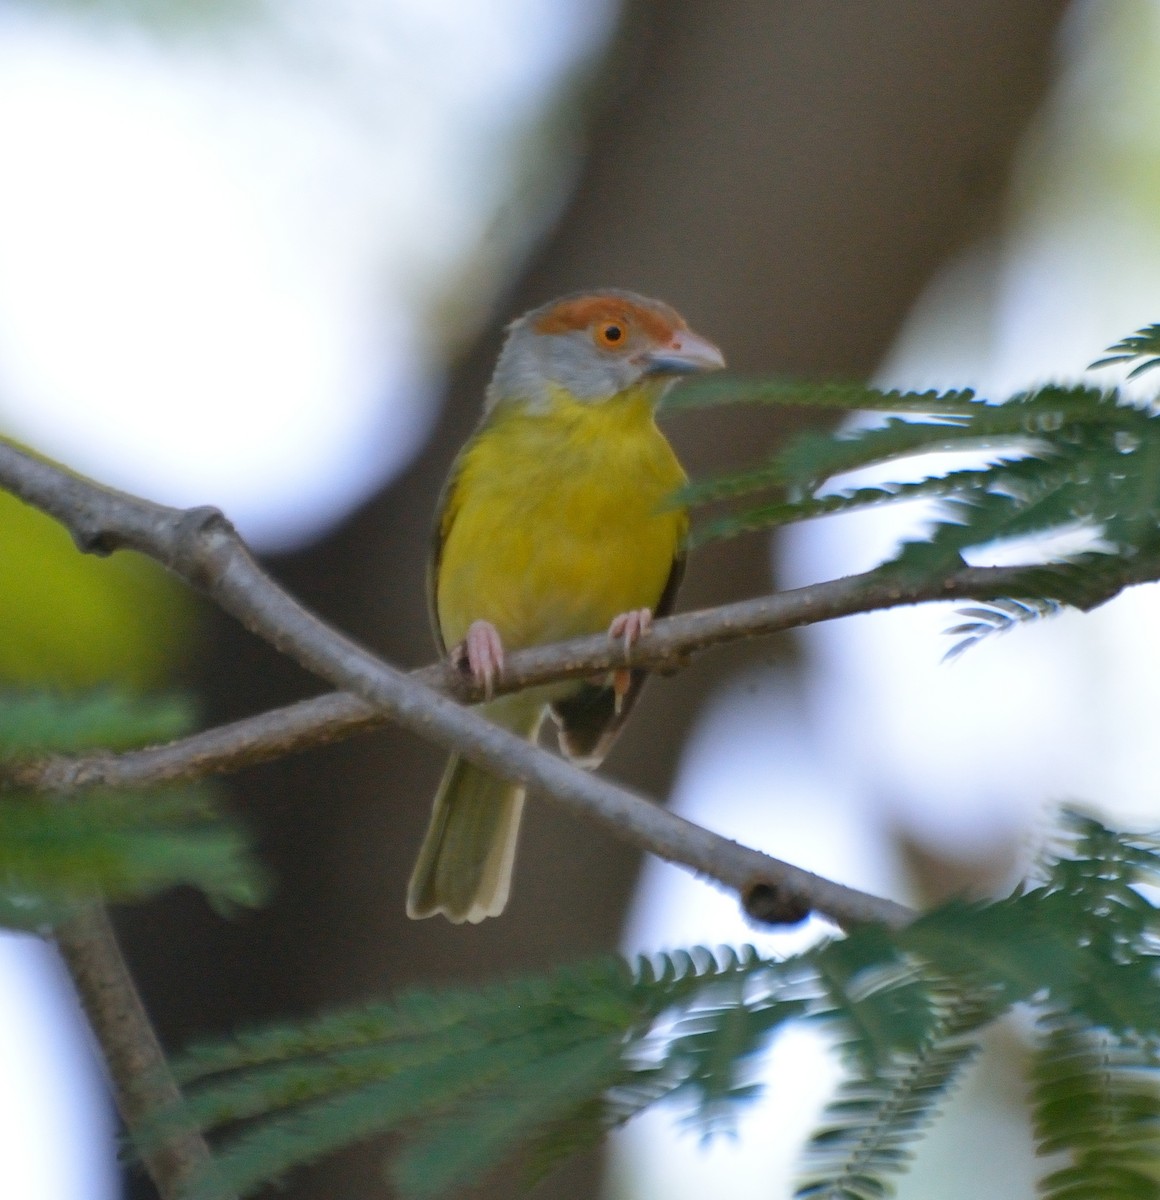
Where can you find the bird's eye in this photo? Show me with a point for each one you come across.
(610, 334)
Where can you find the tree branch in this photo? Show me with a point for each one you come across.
(142, 1083)
(202, 547)
(666, 648)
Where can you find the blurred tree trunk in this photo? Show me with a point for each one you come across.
(789, 176)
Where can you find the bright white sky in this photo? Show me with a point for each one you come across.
(57, 1129)
(221, 256)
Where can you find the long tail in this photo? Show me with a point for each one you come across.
(464, 869)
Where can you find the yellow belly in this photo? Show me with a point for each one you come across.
(554, 522)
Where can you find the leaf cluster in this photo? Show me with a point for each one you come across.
(547, 1065)
(58, 850)
(1096, 1100)
(1061, 459)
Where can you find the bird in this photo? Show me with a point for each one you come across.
(557, 520)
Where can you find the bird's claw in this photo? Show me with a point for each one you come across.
(481, 655)
(621, 682)
(631, 626)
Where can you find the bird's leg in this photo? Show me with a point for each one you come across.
(481, 655)
(631, 626)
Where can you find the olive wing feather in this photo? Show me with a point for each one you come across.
(588, 718)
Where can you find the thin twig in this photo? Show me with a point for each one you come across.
(202, 547)
(668, 645)
(142, 1083)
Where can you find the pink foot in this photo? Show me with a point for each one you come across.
(481, 653)
(631, 626)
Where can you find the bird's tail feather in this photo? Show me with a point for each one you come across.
(464, 868)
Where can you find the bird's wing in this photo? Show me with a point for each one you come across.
(445, 511)
(588, 719)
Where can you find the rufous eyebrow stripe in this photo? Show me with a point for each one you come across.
(582, 312)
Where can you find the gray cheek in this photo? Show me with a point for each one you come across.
(526, 370)
(585, 373)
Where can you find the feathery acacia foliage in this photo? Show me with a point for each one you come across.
(1062, 459)
(998, 616)
(1081, 945)
(1141, 348)
(1057, 459)
(36, 723)
(869, 1127)
(1096, 1102)
(551, 1063)
(56, 851)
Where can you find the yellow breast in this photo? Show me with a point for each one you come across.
(554, 522)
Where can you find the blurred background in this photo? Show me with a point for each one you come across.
(260, 255)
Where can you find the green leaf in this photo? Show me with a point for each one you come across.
(1142, 347)
(884, 1002)
(829, 504)
(995, 617)
(54, 853)
(869, 1130)
(442, 1158)
(712, 390)
(1096, 1099)
(550, 1063)
(442, 1081)
(37, 723)
(1060, 458)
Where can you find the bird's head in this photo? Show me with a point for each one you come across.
(595, 345)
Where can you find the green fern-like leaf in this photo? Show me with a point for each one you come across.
(1060, 458)
(935, 424)
(1084, 581)
(830, 504)
(1096, 1100)
(1142, 348)
(523, 1061)
(871, 1126)
(884, 997)
(54, 853)
(38, 723)
(1084, 938)
(711, 391)
(712, 1049)
(995, 617)
(441, 1157)
(704, 1054)
(552, 1063)
(811, 459)
(463, 1081)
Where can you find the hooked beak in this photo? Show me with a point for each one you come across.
(686, 354)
